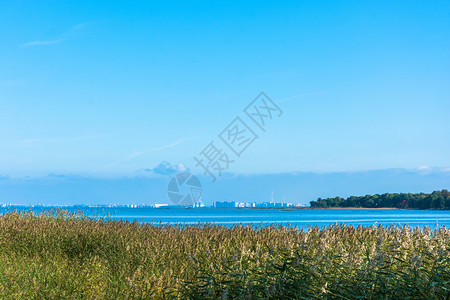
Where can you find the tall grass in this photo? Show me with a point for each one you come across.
(63, 255)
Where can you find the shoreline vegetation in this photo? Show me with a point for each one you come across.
(437, 200)
(58, 254)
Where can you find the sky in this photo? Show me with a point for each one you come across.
(111, 88)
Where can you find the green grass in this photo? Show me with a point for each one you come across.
(59, 255)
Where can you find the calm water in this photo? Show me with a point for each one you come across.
(264, 217)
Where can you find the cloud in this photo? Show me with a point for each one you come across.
(301, 96)
(53, 175)
(81, 26)
(424, 168)
(135, 154)
(176, 143)
(73, 33)
(166, 168)
(61, 140)
(42, 43)
(11, 83)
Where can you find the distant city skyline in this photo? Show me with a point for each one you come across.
(296, 188)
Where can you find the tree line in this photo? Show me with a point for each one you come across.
(435, 200)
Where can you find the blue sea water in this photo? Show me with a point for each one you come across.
(265, 217)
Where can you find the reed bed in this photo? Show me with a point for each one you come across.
(57, 255)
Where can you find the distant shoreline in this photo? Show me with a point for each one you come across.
(282, 207)
(334, 208)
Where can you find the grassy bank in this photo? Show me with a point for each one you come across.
(69, 256)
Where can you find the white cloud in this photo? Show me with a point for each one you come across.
(300, 96)
(166, 168)
(61, 140)
(427, 170)
(74, 32)
(135, 154)
(42, 43)
(424, 168)
(172, 144)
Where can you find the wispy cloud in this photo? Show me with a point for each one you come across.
(73, 33)
(301, 96)
(11, 83)
(176, 143)
(42, 43)
(82, 26)
(62, 140)
(135, 154)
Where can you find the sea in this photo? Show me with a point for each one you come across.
(261, 217)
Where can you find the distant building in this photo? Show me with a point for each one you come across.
(160, 205)
(253, 204)
(198, 204)
(224, 204)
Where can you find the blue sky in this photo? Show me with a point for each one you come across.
(108, 88)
